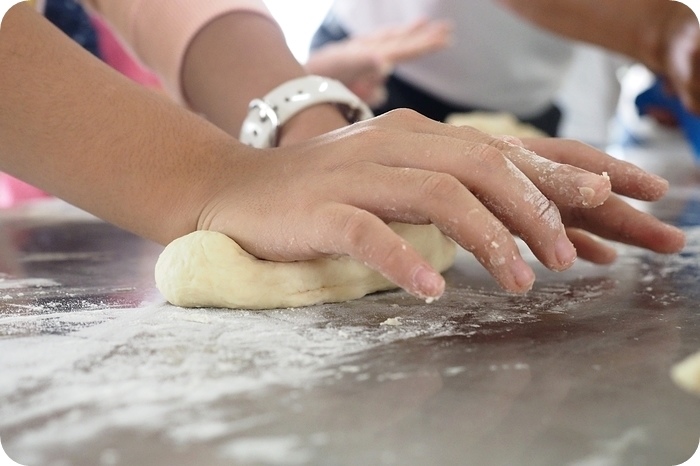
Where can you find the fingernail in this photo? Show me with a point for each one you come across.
(565, 251)
(658, 179)
(430, 284)
(523, 274)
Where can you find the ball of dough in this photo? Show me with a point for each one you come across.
(495, 124)
(209, 269)
(686, 374)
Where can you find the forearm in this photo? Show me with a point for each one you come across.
(214, 56)
(236, 58)
(74, 127)
(159, 31)
(636, 28)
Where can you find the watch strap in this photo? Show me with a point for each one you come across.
(267, 115)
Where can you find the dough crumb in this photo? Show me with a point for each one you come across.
(587, 194)
(392, 321)
(686, 374)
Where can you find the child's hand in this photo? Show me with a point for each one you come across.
(333, 194)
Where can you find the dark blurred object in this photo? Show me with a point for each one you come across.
(656, 98)
(72, 19)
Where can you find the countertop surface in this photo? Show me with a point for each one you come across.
(96, 369)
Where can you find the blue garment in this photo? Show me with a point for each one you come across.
(72, 19)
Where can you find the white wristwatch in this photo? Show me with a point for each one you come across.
(267, 115)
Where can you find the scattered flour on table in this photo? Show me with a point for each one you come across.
(164, 369)
(189, 374)
(15, 283)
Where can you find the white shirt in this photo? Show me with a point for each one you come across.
(497, 60)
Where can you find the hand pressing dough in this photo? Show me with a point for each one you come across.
(208, 269)
(495, 124)
(686, 374)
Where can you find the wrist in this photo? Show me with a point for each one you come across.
(269, 114)
(237, 57)
(311, 122)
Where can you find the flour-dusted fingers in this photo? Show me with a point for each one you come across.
(618, 221)
(591, 248)
(564, 184)
(368, 239)
(498, 184)
(364, 237)
(625, 178)
(419, 196)
(560, 182)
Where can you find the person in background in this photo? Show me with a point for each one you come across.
(512, 55)
(365, 62)
(73, 126)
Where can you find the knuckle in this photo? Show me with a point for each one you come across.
(506, 142)
(353, 228)
(503, 143)
(404, 114)
(358, 238)
(572, 144)
(440, 186)
(488, 158)
(547, 212)
(389, 252)
(372, 134)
